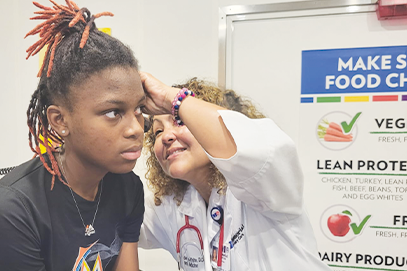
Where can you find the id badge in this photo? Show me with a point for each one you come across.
(225, 255)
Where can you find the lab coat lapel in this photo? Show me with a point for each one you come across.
(191, 203)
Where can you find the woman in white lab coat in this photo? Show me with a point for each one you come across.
(222, 180)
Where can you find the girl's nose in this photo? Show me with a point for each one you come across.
(135, 127)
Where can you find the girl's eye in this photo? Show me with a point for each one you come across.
(112, 114)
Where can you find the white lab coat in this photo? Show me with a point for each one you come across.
(263, 205)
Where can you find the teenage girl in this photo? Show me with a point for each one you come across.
(78, 206)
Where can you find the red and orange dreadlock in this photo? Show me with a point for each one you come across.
(51, 31)
(58, 20)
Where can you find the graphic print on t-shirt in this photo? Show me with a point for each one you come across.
(82, 265)
(98, 253)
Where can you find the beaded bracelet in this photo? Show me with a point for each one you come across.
(176, 103)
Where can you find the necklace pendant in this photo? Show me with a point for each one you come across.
(89, 230)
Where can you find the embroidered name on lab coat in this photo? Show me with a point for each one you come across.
(237, 236)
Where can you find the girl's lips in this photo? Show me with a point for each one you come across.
(131, 155)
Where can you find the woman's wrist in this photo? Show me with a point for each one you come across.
(171, 93)
(176, 104)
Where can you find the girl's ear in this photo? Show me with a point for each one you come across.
(57, 119)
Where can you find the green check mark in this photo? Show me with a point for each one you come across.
(347, 128)
(357, 229)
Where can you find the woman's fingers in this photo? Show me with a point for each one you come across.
(151, 84)
(159, 95)
(144, 76)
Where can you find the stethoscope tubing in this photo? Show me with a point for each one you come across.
(187, 226)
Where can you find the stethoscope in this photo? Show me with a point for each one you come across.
(217, 216)
(187, 226)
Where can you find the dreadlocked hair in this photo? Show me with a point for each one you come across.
(76, 50)
(158, 181)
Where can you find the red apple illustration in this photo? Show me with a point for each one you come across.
(338, 224)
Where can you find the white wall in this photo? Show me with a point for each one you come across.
(174, 40)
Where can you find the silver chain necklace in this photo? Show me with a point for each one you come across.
(89, 229)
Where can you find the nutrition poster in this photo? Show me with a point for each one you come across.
(353, 148)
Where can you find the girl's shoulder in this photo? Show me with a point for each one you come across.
(27, 177)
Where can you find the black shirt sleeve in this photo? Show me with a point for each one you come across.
(129, 230)
(20, 247)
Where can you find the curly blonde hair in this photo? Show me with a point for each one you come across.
(160, 183)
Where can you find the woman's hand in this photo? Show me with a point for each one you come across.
(201, 118)
(159, 95)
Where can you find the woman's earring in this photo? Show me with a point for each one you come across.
(63, 131)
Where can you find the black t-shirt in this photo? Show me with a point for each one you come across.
(40, 228)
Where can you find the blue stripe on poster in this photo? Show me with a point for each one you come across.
(307, 100)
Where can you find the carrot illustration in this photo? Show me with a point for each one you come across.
(336, 138)
(332, 132)
(335, 126)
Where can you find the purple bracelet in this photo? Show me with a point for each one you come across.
(176, 103)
